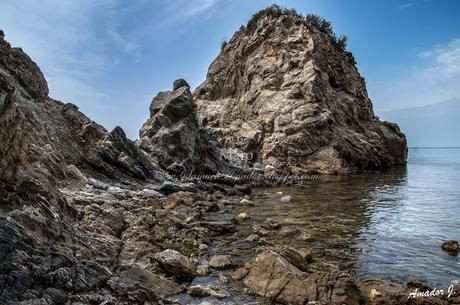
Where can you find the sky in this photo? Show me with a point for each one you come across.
(110, 57)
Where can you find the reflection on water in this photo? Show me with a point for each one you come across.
(388, 225)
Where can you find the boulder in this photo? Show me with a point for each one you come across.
(451, 246)
(176, 264)
(273, 277)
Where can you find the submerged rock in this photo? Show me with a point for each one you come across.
(220, 262)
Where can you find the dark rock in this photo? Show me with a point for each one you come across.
(451, 246)
(176, 264)
(179, 83)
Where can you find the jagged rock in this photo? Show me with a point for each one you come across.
(286, 93)
(173, 135)
(176, 263)
(179, 83)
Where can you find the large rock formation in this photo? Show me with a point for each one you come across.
(174, 137)
(284, 89)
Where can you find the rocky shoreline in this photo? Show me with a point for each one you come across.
(89, 216)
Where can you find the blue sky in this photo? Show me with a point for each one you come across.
(110, 57)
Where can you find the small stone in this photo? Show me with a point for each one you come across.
(373, 294)
(202, 270)
(220, 262)
(286, 199)
(252, 238)
(269, 168)
(271, 224)
(176, 264)
(223, 278)
(201, 291)
(245, 201)
(256, 229)
(203, 247)
(305, 236)
(451, 246)
(242, 216)
(289, 231)
(279, 193)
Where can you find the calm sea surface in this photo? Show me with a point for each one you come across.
(387, 225)
(382, 225)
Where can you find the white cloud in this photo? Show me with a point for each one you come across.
(435, 79)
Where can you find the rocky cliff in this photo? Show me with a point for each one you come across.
(88, 216)
(285, 90)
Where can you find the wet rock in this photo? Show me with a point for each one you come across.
(176, 264)
(219, 227)
(271, 224)
(201, 291)
(259, 230)
(242, 216)
(286, 199)
(298, 257)
(116, 191)
(451, 246)
(222, 278)
(220, 262)
(202, 270)
(135, 285)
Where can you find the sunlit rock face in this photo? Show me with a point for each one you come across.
(289, 93)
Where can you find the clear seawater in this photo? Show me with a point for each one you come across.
(380, 225)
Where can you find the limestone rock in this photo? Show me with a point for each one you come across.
(288, 95)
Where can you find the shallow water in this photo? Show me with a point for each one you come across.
(387, 225)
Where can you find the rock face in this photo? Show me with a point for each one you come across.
(275, 278)
(284, 90)
(173, 135)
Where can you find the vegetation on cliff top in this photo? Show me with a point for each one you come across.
(312, 21)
